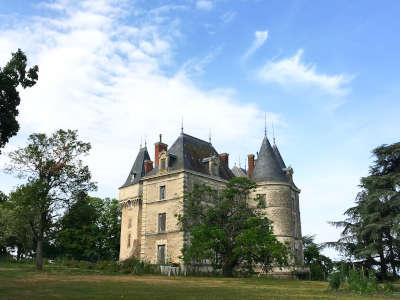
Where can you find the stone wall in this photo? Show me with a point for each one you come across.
(171, 205)
(282, 209)
(130, 201)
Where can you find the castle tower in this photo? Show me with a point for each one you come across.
(131, 206)
(276, 186)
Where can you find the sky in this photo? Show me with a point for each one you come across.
(122, 72)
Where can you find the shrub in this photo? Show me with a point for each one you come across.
(360, 283)
(138, 267)
(335, 280)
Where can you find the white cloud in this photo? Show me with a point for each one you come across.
(260, 37)
(107, 79)
(292, 72)
(204, 4)
(228, 17)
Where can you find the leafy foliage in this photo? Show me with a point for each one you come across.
(56, 176)
(320, 265)
(225, 230)
(371, 231)
(90, 230)
(14, 74)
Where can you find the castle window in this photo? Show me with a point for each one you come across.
(129, 240)
(129, 223)
(162, 192)
(163, 163)
(161, 222)
(263, 198)
(161, 254)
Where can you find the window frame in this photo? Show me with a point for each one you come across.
(129, 241)
(159, 260)
(162, 222)
(162, 192)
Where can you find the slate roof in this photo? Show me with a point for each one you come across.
(188, 153)
(279, 157)
(267, 165)
(137, 171)
(239, 172)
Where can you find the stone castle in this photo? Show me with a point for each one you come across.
(152, 195)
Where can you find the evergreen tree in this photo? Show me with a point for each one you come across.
(371, 230)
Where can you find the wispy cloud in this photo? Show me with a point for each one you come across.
(204, 4)
(292, 72)
(228, 17)
(108, 79)
(196, 66)
(260, 37)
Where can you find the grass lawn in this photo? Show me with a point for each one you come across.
(21, 281)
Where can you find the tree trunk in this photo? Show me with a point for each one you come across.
(39, 254)
(392, 255)
(227, 267)
(382, 263)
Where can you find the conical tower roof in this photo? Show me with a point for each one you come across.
(137, 171)
(267, 166)
(278, 157)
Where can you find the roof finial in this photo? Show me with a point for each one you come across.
(240, 165)
(209, 135)
(273, 133)
(265, 124)
(145, 142)
(182, 125)
(140, 147)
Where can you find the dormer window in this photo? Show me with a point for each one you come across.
(163, 161)
(213, 166)
(133, 177)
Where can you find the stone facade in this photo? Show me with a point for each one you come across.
(151, 199)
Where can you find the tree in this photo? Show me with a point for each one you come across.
(90, 230)
(319, 264)
(56, 175)
(14, 74)
(223, 229)
(371, 230)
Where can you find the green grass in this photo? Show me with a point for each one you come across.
(21, 281)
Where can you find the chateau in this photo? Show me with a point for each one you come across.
(152, 195)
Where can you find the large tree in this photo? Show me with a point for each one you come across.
(225, 230)
(90, 230)
(371, 230)
(319, 264)
(56, 174)
(12, 75)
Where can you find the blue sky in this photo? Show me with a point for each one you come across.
(326, 73)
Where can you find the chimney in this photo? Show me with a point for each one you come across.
(148, 166)
(251, 165)
(158, 148)
(224, 159)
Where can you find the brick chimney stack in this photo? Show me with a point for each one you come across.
(251, 165)
(148, 166)
(224, 159)
(158, 148)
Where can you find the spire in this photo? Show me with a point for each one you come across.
(265, 124)
(209, 135)
(182, 126)
(140, 146)
(273, 132)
